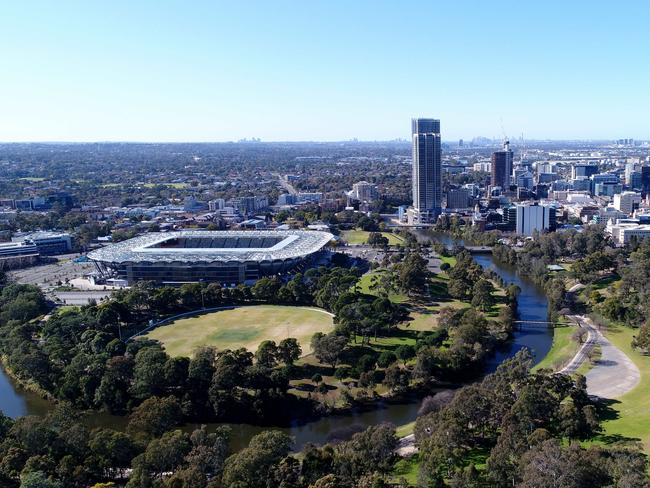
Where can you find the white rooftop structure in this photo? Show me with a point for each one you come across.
(191, 246)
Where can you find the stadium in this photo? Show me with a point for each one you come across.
(226, 257)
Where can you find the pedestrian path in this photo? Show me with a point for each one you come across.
(614, 374)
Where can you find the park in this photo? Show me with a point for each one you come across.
(243, 327)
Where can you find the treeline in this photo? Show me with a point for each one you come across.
(545, 249)
(588, 249)
(530, 425)
(515, 428)
(59, 451)
(78, 356)
(629, 301)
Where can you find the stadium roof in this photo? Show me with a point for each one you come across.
(160, 247)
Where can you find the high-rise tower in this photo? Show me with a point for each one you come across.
(502, 167)
(427, 171)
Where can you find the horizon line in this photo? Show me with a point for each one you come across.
(306, 141)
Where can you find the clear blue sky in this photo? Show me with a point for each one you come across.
(322, 70)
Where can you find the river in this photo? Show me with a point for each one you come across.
(532, 305)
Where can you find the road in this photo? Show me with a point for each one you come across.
(406, 446)
(614, 374)
(286, 185)
(79, 297)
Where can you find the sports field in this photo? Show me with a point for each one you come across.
(358, 237)
(242, 327)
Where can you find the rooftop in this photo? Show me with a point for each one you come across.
(192, 246)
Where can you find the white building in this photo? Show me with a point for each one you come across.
(484, 167)
(623, 231)
(627, 201)
(47, 243)
(531, 218)
(217, 204)
(307, 197)
(364, 192)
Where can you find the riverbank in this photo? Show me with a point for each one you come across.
(29, 386)
(531, 306)
(563, 349)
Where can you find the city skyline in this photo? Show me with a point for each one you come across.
(217, 72)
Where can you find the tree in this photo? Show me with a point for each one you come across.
(251, 467)
(266, 354)
(166, 453)
(366, 452)
(580, 335)
(413, 273)
(642, 339)
(149, 373)
(482, 294)
(328, 348)
(112, 450)
(155, 415)
(397, 379)
(386, 358)
(266, 289)
(38, 479)
(289, 350)
(405, 352)
(376, 239)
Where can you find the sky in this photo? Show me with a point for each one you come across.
(212, 71)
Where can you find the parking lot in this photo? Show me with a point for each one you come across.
(52, 275)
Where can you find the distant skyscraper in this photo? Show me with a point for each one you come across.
(427, 170)
(502, 167)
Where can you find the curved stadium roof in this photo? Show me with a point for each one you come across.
(161, 247)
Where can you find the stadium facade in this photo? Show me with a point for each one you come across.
(226, 257)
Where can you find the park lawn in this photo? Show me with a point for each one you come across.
(427, 318)
(242, 327)
(451, 260)
(633, 408)
(177, 186)
(562, 350)
(407, 468)
(392, 342)
(357, 237)
(404, 430)
(366, 280)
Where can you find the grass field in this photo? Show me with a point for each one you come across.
(242, 327)
(632, 409)
(32, 179)
(366, 281)
(356, 237)
(177, 186)
(562, 350)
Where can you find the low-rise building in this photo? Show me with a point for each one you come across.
(47, 243)
(624, 230)
(15, 255)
